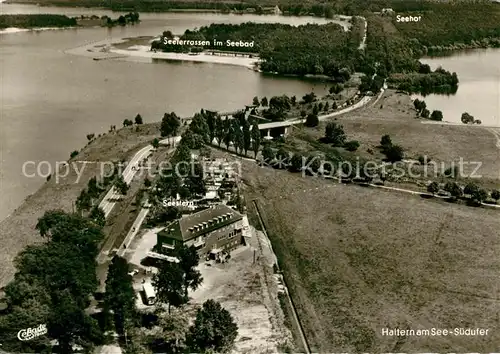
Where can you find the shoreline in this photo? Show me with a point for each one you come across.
(428, 121)
(11, 30)
(144, 52)
(105, 49)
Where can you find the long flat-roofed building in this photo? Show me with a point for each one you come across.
(210, 231)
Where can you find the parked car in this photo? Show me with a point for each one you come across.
(133, 272)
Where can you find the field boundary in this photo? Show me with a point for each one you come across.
(296, 319)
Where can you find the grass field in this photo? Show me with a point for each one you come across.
(441, 142)
(358, 260)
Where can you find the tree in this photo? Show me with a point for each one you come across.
(229, 134)
(454, 189)
(127, 122)
(199, 125)
(83, 201)
(495, 194)
(326, 107)
(219, 130)
(467, 118)
(394, 153)
(437, 115)
(312, 120)
(264, 102)
(49, 220)
(470, 189)
(121, 185)
(193, 140)
(419, 105)
(58, 277)
(255, 101)
(90, 136)
(155, 143)
(170, 124)
(211, 119)
(29, 303)
(68, 323)
(247, 136)
(309, 97)
(73, 154)
(120, 295)
(451, 172)
(213, 330)
(334, 134)
(122, 21)
(433, 188)
(479, 196)
(296, 163)
(268, 153)
(280, 103)
(352, 145)
(97, 214)
(425, 113)
(182, 153)
(255, 134)
(168, 283)
(138, 119)
(139, 197)
(303, 113)
(188, 261)
(147, 183)
(336, 89)
(174, 327)
(238, 137)
(385, 141)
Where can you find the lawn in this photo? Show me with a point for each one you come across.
(394, 115)
(358, 260)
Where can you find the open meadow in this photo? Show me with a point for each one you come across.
(358, 260)
(395, 115)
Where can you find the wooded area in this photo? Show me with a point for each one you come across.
(30, 21)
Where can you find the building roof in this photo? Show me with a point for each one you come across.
(200, 223)
(149, 290)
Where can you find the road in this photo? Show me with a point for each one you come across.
(109, 200)
(362, 45)
(288, 123)
(128, 174)
(134, 229)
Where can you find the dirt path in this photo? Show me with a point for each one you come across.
(496, 133)
(245, 287)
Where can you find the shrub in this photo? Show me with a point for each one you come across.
(352, 145)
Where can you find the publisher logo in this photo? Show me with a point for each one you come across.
(31, 333)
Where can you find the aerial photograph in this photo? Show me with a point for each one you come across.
(249, 176)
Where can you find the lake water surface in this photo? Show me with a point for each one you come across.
(479, 87)
(50, 100)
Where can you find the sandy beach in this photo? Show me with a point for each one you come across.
(18, 30)
(144, 52)
(106, 50)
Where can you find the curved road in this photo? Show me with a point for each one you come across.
(128, 174)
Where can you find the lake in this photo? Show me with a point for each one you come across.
(479, 88)
(50, 100)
